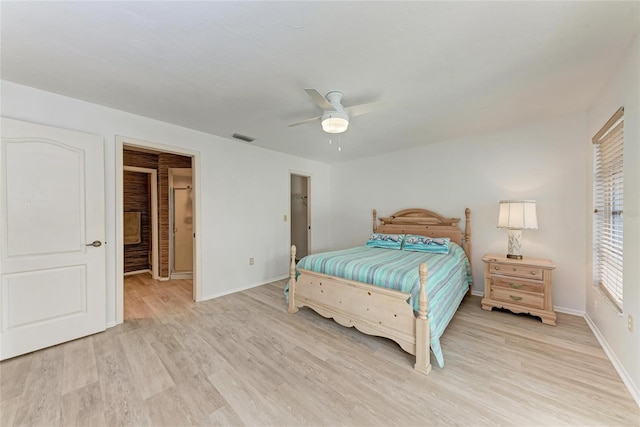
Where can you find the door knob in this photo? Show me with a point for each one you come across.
(95, 244)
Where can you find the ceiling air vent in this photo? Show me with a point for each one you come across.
(242, 137)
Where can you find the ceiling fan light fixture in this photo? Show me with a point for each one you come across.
(335, 122)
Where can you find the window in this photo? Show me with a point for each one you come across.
(608, 177)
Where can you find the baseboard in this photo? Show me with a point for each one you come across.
(252, 285)
(571, 311)
(181, 276)
(132, 273)
(624, 375)
(477, 293)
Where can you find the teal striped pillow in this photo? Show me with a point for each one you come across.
(438, 245)
(388, 241)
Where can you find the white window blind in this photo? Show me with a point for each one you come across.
(609, 204)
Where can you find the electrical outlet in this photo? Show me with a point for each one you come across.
(250, 261)
(630, 323)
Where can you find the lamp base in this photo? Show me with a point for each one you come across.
(515, 241)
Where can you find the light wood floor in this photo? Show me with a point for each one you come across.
(243, 360)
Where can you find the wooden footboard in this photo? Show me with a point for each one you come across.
(370, 309)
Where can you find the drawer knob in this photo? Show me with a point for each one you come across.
(497, 268)
(533, 273)
(515, 298)
(515, 285)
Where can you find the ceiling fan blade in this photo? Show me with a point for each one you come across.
(313, 119)
(319, 99)
(358, 110)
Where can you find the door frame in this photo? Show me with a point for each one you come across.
(309, 203)
(154, 215)
(121, 141)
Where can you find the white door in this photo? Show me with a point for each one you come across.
(52, 264)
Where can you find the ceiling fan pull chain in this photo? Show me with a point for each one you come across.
(339, 142)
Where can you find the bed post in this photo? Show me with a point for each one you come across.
(467, 239)
(375, 220)
(423, 335)
(467, 233)
(292, 281)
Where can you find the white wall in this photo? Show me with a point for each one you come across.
(623, 89)
(244, 189)
(544, 162)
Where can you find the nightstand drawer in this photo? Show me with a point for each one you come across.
(516, 270)
(517, 285)
(516, 297)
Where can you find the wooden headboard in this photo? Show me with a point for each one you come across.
(426, 223)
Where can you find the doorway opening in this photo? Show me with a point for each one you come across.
(151, 179)
(140, 220)
(180, 223)
(300, 186)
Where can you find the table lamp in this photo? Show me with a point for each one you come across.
(515, 216)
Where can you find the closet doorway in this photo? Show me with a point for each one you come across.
(140, 220)
(171, 172)
(300, 186)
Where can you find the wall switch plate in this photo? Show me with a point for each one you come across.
(630, 323)
(250, 261)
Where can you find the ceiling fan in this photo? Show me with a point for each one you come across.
(335, 118)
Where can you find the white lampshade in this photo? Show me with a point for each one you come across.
(335, 121)
(518, 215)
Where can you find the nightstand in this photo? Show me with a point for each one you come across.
(519, 285)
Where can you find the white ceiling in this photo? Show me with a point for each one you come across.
(448, 69)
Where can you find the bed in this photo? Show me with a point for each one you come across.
(400, 311)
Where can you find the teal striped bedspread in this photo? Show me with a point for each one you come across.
(448, 279)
